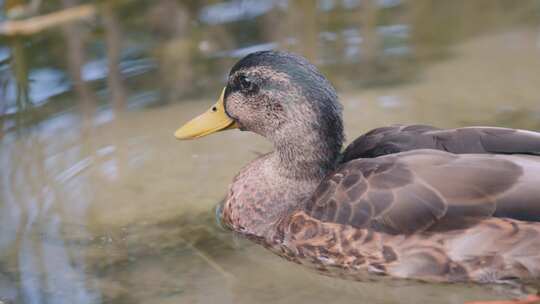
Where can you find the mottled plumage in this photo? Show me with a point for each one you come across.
(404, 201)
(438, 216)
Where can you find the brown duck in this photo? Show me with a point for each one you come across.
(403, 201)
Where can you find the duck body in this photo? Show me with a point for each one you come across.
(422, 214)
(411, 202)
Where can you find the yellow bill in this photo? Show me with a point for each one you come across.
(211, 121)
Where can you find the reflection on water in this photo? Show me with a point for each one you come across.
(99, 204)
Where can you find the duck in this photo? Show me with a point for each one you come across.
(400, 202)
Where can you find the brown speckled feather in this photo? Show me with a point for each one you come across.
(394, 139)
(439, 215)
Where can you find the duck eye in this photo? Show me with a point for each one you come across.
(246, 84)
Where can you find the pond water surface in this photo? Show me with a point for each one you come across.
(100, 204)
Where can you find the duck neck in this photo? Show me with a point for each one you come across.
(272, 186)
(308, 158)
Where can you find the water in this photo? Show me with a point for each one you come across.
(99, 203)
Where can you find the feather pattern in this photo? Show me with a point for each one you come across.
(437, 215)
(400, 138)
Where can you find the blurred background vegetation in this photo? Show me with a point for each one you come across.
(132, 54)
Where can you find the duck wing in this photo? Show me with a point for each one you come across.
(425, 190)
(432, 215)
(395, 139)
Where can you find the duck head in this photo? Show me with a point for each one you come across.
(282, 97)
